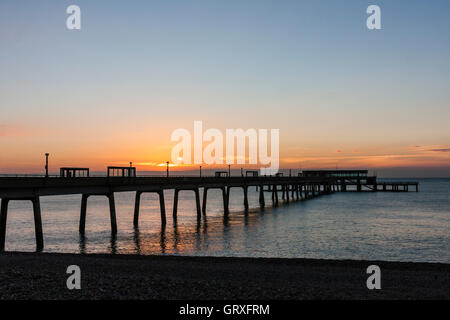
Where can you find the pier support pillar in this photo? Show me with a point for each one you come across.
(3, 216)
(162, 206)
(197, 202)
(273, 195)
(245, 198)
(175, 204)
(137, 203)
(205, 195)
(225, 200)
(276, 196)
(82, 225)
(228, 199)
(262, 202)
(38, 224)
(112, 212)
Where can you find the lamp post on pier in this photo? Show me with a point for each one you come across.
(46, 164)
(167, 168)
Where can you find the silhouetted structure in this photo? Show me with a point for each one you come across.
(121, 172)
(252, 173)
(335, 173)
(69, 172)
(296, 188)
(221, 174)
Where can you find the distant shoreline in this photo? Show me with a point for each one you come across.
(104, 276)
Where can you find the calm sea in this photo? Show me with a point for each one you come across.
(386, 226)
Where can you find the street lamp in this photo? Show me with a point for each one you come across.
(46, 164)
(229, 170)
(167, 168)
(200, 171)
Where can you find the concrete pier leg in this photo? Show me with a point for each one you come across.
(228, 199)
(225, 200)
(112, 212)
(276, 196)
(197, 202)
(3, 216)
(175, 204)
(162, 206)
(286, 188)
(283, 188)
(245, 198)
(82, 226)
(262, 201)
(137, 203)
(205, 195)
(273, 195)
(38, 224)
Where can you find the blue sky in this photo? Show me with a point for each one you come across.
(310, 68)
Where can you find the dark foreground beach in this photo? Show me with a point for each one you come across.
(43, 276)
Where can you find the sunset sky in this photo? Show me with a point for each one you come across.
(114, 91)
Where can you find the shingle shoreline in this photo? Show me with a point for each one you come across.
(43, 276)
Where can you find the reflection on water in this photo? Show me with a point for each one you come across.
(389, 226)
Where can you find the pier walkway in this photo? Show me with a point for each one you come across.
(294, 188)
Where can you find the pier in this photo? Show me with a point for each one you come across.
(307, 185)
